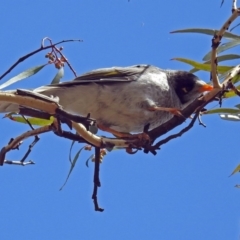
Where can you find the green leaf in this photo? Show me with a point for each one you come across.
(234, 27)
(207, 32)
(237, 169)
(22, 76)
(32, 121)
(58, 76)
(223, 110)
(220, 59)
(89, 159)
(202, 66)
(227, 57)
(72, 166)
(70, 152)
(222, 48)
(230, 117)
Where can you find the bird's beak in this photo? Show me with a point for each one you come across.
(205, 88)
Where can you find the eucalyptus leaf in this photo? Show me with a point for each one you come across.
(87, 161)
(31, 120)
(230, 117)
(222, 3)
(223, 110)
(234, 27)
(23, 75)
(70, 152)
(222, 48)
(206, 31)
(202, 66)
(227, 57)
(220, 59)
(237, 169)
(58, 76)
(72, 166)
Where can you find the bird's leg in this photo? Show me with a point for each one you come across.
(141, 136)
(114, 132)
(173, 111)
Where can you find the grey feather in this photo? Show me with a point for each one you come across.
(120, 97)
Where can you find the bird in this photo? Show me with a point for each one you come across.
(125, 99)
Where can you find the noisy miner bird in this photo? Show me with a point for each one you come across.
(125, 99)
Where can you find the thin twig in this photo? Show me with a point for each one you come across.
(36, 139)
(96, 180)
(164, 141)
(54, 48)
(200, 120)
(34, 52)
(217, 40)
(20, 138)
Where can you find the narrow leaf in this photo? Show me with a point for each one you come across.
(220, 59)
(70, 152)
(202, 66)
(207, 32)
(222, 48)
(234, 27)
(230, 117)
(222, 110)
(89, 159)
(58, 76)
(72, 166)
(221, 3)
(22, 76)
(237, 169)
(32, 121)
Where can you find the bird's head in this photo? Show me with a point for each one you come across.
(188, 86)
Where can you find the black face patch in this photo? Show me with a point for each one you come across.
(184, 83)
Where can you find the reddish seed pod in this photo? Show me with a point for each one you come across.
(88, 147)
(58, 65)
(63, 59)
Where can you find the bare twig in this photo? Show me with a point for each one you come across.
(217, 40)
(96, 180)
(158, 144)
(36, 139)
(33, 53)
(58, 61)
(200, 120)
(20, 138)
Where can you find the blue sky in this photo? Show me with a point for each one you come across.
(181, 193)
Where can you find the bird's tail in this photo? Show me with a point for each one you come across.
(8, 107)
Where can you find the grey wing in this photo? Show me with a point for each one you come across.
(109, 75)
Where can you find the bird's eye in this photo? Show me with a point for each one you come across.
(185, 90)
